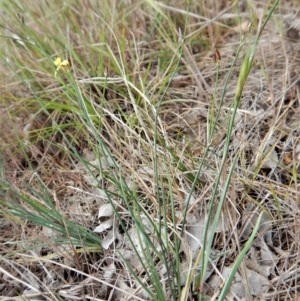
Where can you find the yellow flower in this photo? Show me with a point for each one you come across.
(63, 65)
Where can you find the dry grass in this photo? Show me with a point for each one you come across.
(139, 122)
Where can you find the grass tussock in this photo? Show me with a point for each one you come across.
(149, 150)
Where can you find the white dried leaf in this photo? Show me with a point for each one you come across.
(119, 293)
(267, 257)
(137, 291)
(111, 236)
(135, 239)
(32, 295)
(138, 240)
(251, 217)
(109, 272)
(215, 282)
(131, 258)
(195, 235)
(266, 155)
(257, 283)
(123, 286)
(108, 240)
(106, 210)
(271, 160)
(125, 254)
(257, 267)
(195, 230)
(17, 38)
(104, 226)
(148, 226)
(26, 131)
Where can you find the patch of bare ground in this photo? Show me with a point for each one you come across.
(40, 153)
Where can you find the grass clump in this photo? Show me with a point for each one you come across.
(139, 159)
